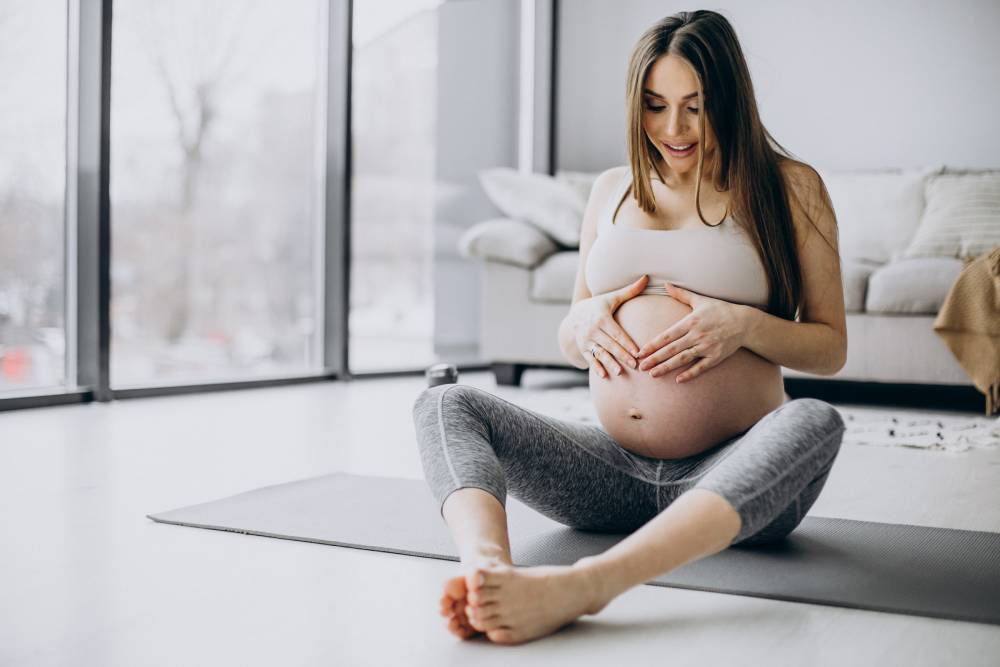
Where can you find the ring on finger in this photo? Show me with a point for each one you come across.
(593, 349)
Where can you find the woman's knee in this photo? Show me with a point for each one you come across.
(816, 412)
(431, 398)
(778, 529)
(818, 419)
(447, 407)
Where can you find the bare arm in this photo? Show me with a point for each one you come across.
(599, 194)
(569, 349)
(817, 342)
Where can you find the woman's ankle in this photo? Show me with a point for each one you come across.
(486, 554)
(601, 592)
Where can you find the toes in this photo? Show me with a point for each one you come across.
(472, 617)
(502, 636)
(486, 623)
(478, 615)
(464, 614)
(457, 628)
(475, 580)
(481, 610)
(456, 588)
(483, 596)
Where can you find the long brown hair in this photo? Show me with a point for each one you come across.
(747, 161)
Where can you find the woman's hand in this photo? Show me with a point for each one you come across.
(598, 336)
(712, 331)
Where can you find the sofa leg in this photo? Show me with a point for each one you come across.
(509, 375)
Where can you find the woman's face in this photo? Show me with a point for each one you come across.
(670, 115)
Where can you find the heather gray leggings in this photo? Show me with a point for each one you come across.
(576, 473)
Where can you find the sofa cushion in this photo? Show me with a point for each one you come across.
(553, 279)
(962, 218)
(508, 241)
(554, 206)
(877, 211)
(912, 286)
(855, 274)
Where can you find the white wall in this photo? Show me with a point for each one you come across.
(850, 84)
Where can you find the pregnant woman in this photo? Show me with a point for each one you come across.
(706, 263)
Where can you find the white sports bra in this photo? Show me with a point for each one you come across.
(719, 261)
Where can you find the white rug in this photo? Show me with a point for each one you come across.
(881, 427)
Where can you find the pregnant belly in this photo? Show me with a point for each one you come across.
(659, 418)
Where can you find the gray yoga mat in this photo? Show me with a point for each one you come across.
(936, 572)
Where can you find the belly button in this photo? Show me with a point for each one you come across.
(634, 414)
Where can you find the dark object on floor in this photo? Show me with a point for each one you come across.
(441, 374)
(509, 375)
(930, 396)
(936, 572)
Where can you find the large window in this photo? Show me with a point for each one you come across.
(217, 147)
(32, 195)
(176, 178)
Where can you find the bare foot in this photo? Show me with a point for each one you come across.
(453, 604)
(454, 601)
(514, 605)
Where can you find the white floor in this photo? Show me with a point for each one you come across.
(86, 579)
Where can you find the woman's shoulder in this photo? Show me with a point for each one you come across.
(808, 198)
(619, 172)
(612, 176)
(801, 180)
(606, 183)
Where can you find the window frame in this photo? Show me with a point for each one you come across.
(87, 220)
(88, 217)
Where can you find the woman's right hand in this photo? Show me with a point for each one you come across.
(594, 327)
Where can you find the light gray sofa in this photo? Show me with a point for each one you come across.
(891, 300)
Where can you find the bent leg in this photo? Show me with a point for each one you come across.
(754, 488)
(791, 516)
(774, 472)
(563, 470)
(474, 447)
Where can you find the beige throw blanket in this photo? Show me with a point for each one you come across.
(969, 323)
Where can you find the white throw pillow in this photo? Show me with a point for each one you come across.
(962, 218)
(551, 205)
(508, 241)
(877, 211)
(581, 181)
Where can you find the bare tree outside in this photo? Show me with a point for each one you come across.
(214, 189)
(194, 62)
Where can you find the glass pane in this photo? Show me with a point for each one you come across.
(32, 195)
(392, 190)
(217, 111)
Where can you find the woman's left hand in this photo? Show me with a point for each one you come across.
(712, 331)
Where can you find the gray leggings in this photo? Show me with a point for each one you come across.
(577, 474)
